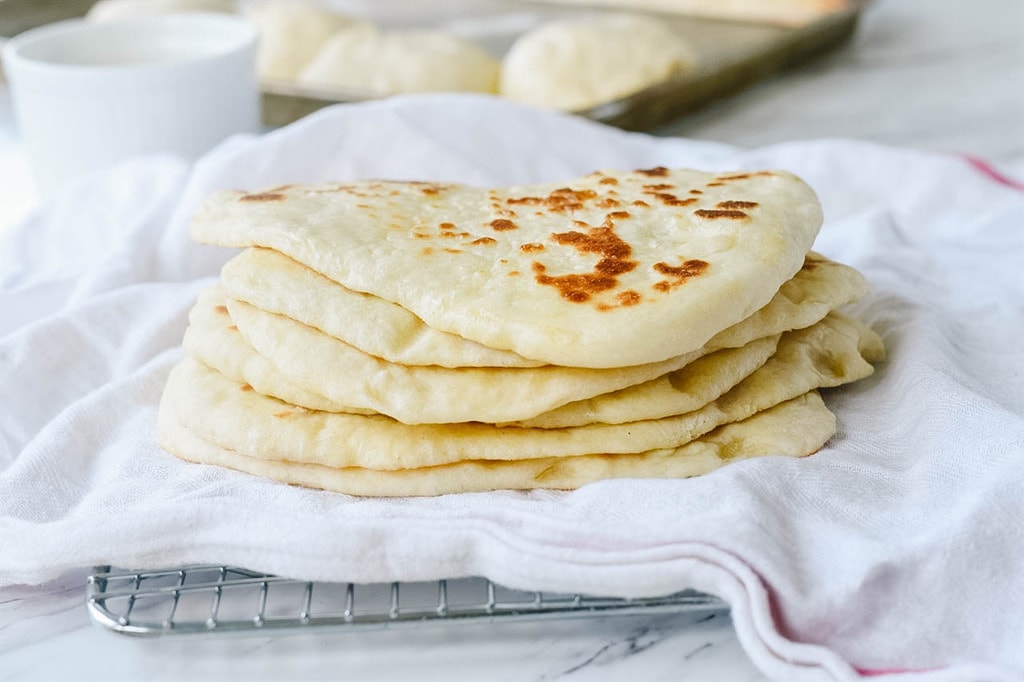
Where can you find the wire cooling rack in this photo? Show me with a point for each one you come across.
(224, 598)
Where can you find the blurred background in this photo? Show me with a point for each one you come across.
(939, 75)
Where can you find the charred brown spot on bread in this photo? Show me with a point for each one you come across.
(744, 176)
(222, 309)
(641, 203)
(714, 184)
(245, 388)
(608, 181)
(617, 215)
(427, 251)
(503, 225)
(678, 274)
(696, 191)
(598, 240)
(262, 196)
(614, 266)
(577, 288)
(446, 226)
(660, 187)
(233, 328)
(811, 262)
(629, 297)
(561, 200)
(614, 260)
(607, 202)
(716, 213)
(513, 273)
(484, 241)
(625, 299)
(454, 250)
(531, 247)
(283, 414)
(672, 200)
(656, 172)
(736, 204)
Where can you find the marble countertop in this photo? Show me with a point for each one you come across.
(931, 74)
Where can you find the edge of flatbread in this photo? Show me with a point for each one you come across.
(586, 273)
(796, 428)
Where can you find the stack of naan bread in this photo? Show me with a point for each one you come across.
(402, 338)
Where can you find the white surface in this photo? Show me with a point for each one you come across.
(89, 95)
(905, 47)
(788, 543)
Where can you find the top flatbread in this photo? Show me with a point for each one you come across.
(610, 270)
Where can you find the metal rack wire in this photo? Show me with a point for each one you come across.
(224, 598)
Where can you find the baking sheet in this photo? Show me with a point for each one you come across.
(731, 55)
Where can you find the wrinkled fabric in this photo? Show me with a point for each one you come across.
(898, 547)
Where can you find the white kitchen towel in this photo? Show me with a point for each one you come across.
(898, 547)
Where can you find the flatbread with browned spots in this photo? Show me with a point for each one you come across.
(614, 269)
(223, 412)
(795, 428)
(275, 283)
(300, 355)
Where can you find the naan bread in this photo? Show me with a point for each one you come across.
(580, 62)
(223, 412)
(707, 378)
(305, 367)
(213, 338)
(684, 390)
(346, 376)
(820, 286)
(365, 59)
(611, 270)
(274, 282)
(795, 428)
(425, 395)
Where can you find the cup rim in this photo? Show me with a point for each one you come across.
(240, 35)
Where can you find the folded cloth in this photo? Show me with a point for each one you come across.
(898, 546)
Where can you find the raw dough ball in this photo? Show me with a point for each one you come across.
(291, 33)
(365, 59)
(578, 63)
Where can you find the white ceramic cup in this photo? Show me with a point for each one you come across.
(87, 95)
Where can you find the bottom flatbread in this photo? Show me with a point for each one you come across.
(795, 428)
